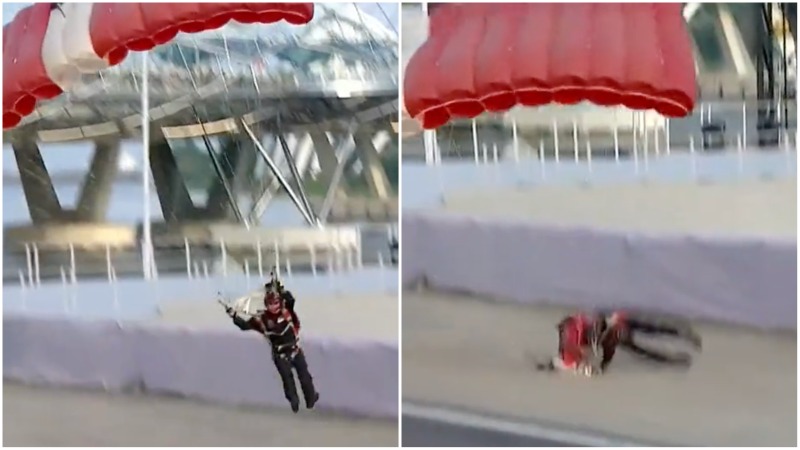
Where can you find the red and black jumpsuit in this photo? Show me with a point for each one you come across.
(576, 332)
(282, 329)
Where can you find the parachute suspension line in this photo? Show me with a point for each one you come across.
(336, 18)
(386, 17)
(634, 120)
(262, 63)
(646, 140)
(371, 37)
(220, 173)
(252, 183)
(277, 173)
(147, 240)
(186, 65)
(222, 72)
(258, 47)
(475, 142)
(369, 33)
(227, 52)
(287, 153)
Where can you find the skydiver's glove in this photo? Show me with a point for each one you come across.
(588, 370)
(228, 308)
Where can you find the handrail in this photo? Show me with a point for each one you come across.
(194, 257)
(340, 261)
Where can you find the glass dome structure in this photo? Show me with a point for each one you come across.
(341, 42)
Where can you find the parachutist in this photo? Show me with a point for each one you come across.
(279, 323)
(587, 343)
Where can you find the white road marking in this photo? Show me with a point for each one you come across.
(522, 429)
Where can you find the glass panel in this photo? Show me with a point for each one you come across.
(704, 28)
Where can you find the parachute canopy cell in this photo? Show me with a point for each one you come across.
(491, 57)
(46, 48)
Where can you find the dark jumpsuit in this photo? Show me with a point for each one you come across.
(282, 330)
(623, 334)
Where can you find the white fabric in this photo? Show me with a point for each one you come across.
(77, 40)
(56, 65)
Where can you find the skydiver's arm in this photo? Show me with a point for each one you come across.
(289, 299)
(246, 324)
(242, 323)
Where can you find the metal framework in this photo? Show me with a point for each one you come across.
(772, 72)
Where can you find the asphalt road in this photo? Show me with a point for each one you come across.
(441, 426)
(427, 433)
(475, 355)
(44, 417)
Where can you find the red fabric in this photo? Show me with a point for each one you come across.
(116, 29)
(490, 57)
(24, 77)
(573, 337)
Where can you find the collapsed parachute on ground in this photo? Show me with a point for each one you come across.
(491, 57)
(46, 48)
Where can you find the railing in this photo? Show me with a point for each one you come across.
(123, 298)
(197, 261)
(206, 271)
(432, 183)
(580, 131)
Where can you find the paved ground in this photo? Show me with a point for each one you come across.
(752, 207)
(431, 425)
(425, 433)
(376, 315)
(741, 391)
(43, 417)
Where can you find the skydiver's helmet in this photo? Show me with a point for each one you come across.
(272, 299)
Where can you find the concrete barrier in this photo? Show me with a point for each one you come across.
(748, 282)
(354, 377)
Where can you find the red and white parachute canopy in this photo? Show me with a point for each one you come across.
(45, 49)
(493, 56)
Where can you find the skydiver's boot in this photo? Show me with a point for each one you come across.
(310, 405)
(694, 338)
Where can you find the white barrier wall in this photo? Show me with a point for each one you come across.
(230, 367)
(746, 282)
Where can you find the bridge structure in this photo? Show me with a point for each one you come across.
(237, 117)
(746, 63)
